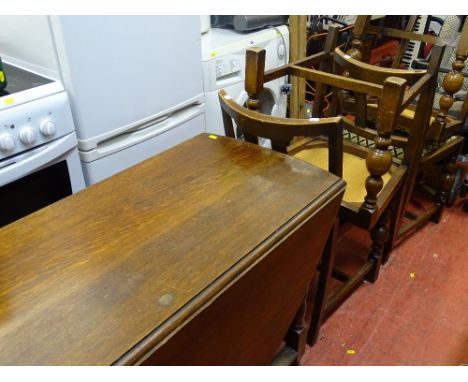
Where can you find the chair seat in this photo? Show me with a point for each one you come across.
(354, 171)
(409, 113)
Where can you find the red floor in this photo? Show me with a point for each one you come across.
(417, 311)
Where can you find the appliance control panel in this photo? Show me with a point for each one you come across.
(34, 123)
(227, 66)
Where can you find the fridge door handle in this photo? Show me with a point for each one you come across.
(142, 133)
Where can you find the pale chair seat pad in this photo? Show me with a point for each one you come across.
(354, 171)
(408, 113)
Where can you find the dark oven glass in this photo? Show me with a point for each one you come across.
(33, 192)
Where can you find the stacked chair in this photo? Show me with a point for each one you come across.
(442, 143)
(376, 180)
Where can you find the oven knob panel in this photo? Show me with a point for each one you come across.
(47, 128)
(7, 143)
(27, 135)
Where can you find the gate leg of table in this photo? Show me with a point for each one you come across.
(318, 307)
(297, 333)
(306, 324)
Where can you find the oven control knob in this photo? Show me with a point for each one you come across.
(47, 128)
(7, 143)
(27, 135)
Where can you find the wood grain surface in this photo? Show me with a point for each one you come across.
(90, 278)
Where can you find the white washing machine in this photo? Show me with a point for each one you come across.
(223, 59)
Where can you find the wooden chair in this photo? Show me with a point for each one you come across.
(281, 131)
(442, 126)
(441, 145)
(374, 181)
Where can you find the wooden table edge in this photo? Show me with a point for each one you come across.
(156, 338)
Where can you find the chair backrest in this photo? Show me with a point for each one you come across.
(282, 130)
(371, 73)
(423, 88)
(348, 66)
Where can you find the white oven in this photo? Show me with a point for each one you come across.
(39, 161)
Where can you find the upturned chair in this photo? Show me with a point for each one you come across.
(441, 145)
(442, 125)
(374, 180)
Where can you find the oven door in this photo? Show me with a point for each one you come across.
(39, 177)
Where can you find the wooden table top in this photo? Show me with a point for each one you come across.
(100, 276)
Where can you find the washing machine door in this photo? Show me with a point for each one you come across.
(269, 105)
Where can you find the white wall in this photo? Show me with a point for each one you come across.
(27, 41)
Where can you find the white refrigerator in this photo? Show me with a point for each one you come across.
(135, 86)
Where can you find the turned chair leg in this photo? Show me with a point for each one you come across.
(393, 227)
(388, 248)
(320, 297)
(379, 235)
(446, 182)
